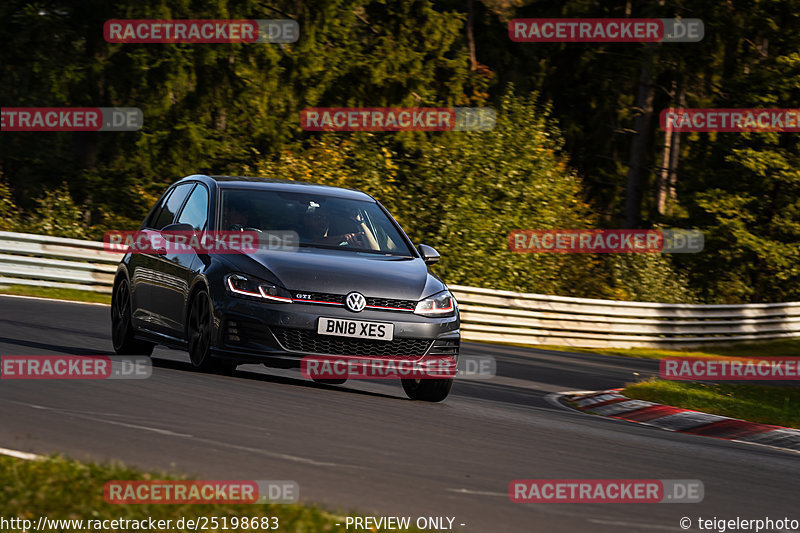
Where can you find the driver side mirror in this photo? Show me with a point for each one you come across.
(429, 254)
(172, 232)
(177, 228)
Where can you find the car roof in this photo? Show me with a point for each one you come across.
(244, 182)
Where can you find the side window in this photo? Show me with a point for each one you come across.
(195, 212)
(154, 213)
(170, 209)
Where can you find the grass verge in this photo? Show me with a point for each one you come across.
(781, 348)
(764, 404)
(60, 488)
(57, 294)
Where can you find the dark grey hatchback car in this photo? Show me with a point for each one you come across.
(352, 263)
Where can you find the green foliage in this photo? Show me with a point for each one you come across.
(63, 489)
(741, 189)
(648, 278)
(749, 199)
(463, 192)
(234, 109)
(467, 190)
(207, 108)
(58, 215)
(8, 209)
(780, 348)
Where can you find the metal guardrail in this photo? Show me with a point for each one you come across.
(506, 316)
(487, 315)
(43, 261)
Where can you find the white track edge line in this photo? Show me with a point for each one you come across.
(20, 455)
(53, 299)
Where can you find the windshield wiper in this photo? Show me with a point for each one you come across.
(349, 249)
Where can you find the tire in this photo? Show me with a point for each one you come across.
(122, 334)
(427, 390)
(337, 381)
(199, 330)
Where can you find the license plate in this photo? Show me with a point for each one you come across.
(342, 327)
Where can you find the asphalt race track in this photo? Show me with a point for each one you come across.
(364, 446)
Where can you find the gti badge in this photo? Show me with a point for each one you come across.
(355, 302)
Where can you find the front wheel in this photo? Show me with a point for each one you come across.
(427, 390)
(199, 330)
(122, 334)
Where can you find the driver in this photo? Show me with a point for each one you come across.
(316, 228)
(237, 218)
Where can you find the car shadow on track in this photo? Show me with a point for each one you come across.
(70, 350)
(272, 378)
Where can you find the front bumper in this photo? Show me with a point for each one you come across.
(255, 331)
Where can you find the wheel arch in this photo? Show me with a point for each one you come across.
(199, 283)
(122, 272)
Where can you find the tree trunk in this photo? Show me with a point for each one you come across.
(639, 147)
(473, 60)
(664, 174)
(675, 158)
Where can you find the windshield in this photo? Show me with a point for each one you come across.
(319, 221)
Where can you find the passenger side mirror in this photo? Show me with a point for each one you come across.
(428, 253)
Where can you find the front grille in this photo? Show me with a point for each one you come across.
(386, 302)
(317, 297)
(323, 298)
(308, 341)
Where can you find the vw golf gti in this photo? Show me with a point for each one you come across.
(345, 281)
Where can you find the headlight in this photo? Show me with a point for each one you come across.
(441, 304)
(248, 286)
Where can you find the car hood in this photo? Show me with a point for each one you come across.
(340, 272)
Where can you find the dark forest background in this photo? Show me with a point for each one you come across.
(577, 144)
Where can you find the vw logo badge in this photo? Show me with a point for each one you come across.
(355, 302)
